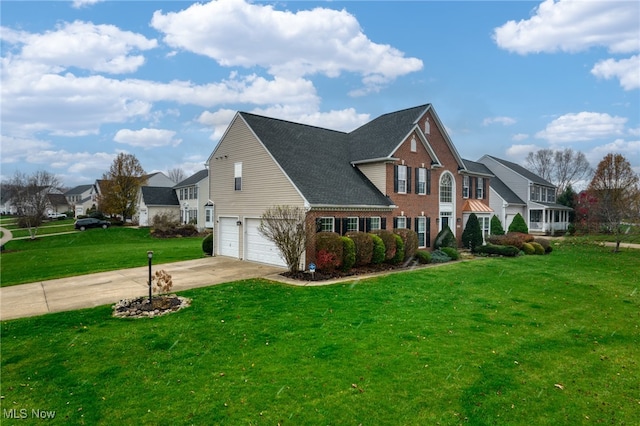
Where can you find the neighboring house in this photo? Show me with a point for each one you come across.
(57, 203)
(6, 203)
(156, 200)
(400, 170)
(517, 190)
(193, 195)
(158, 179)
(82, 198)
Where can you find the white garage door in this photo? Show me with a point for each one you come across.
(258, 248)
(228, 237)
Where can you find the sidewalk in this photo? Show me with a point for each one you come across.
(86, 291)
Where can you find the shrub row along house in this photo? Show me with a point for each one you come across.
(400, 170)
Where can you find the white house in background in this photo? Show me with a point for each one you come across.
(188, 200)
(193, 196)
(515, 189)
(156, 200)
(82, 198)
(158, 179)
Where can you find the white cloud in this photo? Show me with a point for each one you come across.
(521, 151)
(625, 70)
(519, 137)
(505, 121)
(583, 126)
(147, 138)
(15, 149)
(629, 149)
(572, 26)
(98, 48)
(287, 44)
(78, 4)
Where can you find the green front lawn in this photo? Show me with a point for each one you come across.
(510, 341)
(94, 250)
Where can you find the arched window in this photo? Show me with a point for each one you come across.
(446, 189)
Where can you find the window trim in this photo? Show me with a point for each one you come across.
(402, 170)
(465, 186)
(422, 183)
(421, 219)
(449, 188)
(352, 219)
(404, 219)
(333, 223)
(371, 226)
(480, 189)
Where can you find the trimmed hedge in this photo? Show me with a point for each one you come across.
(410, 240)
(389, 240)
(399, 256)
(492, 249)
(423, 257)
(364, 247)
(439, 256)
(378, 250)
(348, 253)
(451, 252)
(537, 247)
(329, 252)
(496, 226)
(527, 248)
(207, 244)
(511, 239)
(544, 243)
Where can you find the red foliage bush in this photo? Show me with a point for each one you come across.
(326, 261)
(516, 239)
(331, 244)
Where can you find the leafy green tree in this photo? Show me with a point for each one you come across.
(496, 226)
(472, 234)
(518, 225)
(568, 198)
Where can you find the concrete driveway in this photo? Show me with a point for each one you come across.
(86, 291)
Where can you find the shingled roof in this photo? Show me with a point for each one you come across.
(523, 172)
(159, 196)
(193, 179)
(317, 161)
(505, 192)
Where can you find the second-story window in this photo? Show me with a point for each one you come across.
(402, 179)
(465, 187)
(237, 174)
(446, 189)
(480, 189)
(422, 181)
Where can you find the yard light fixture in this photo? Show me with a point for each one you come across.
(150, 257)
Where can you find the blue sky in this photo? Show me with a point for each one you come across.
(85, 80)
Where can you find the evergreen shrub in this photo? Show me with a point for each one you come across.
(410, 240)
(496, 226)
(445, 238)
(423, 257)
(472, 234)
(389, 240)
(399, 256)
(527, 248)
(439, 256)
(451, 252)
(207, 244)
(537, 247)
(348, 253)
(500, 250)
(378, 250)
(518, 225)
(364, 247)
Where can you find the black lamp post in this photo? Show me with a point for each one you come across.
(150, 257)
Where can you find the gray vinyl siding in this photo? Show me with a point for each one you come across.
(263, 182)
(516, 182)
(376, 173)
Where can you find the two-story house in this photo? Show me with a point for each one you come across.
(517, 190)
(400, 170)
(82, 198)
(193, 198)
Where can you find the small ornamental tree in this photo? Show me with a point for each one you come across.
(472, 234)
(496, 226)
(518, 225)
(445, 238)
(285, 227)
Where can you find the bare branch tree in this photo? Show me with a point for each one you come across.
(561, 168)
(29, 193)
(541, 163)
(176, 174)
(285, 226)
(569, 167)
(617, 189)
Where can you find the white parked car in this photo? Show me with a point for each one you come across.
(55, 216)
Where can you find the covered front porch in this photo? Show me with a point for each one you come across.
(548, 218)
